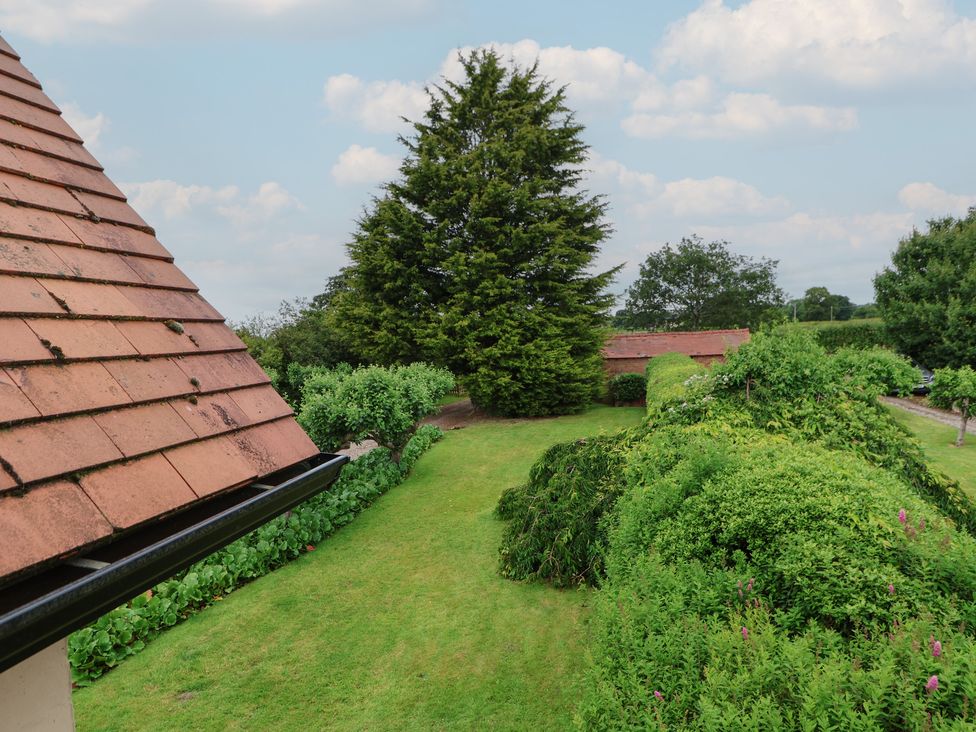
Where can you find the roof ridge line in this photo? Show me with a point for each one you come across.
(24, 488)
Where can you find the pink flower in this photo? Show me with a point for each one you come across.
(932, 685)
(921, 525)
(937, 649)
(902, 516)
(891, 589)
(749, 586)
(658, 695)
(745, 633)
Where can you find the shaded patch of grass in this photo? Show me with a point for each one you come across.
(937, 440)
(399, 621)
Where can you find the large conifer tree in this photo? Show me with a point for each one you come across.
(478, 257)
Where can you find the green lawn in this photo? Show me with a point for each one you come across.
(938, 440)
(399, 621)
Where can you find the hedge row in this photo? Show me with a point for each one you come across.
(99, 647)
(852, 334)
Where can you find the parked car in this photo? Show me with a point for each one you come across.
(924, 386)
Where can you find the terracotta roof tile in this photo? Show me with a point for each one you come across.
(14, 404)
(261, 403)
(19, 343)
(26, 295)
(30, 257)
(159, 273)
(82, 338)
(26, 138)
(116, 373)
(105, 235)
(61, 389)
(34, 224)
(110, 209)
(156, 378)
(222, 370)
(138, 430)
(274, 445)
(212, 414)
(137, 491)
(92, 264)
(31, 116)
(693, 343)
(47, 449)
(210, 466)
(13, 67)
(7, 49)
(52, 520)
(25, 92)
(172, 304)
(84, 298)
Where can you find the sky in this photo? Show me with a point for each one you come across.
(252, 133)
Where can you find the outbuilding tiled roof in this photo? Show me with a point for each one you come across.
(123, 395)
(690, 343)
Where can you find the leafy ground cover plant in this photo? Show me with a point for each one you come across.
(101, 646)
(340, 406)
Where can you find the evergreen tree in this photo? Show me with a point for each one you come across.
(477, 258)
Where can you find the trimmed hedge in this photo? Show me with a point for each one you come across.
(667, 375)
(853, 334)
(627, 388)
(123, 632)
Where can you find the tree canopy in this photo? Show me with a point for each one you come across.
(927, 296)
(697, 285)
(478, 257)
(819, 303)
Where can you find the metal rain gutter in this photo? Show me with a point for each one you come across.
(45, 620)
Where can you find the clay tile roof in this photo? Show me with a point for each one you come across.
(692, 343)
(124, 397)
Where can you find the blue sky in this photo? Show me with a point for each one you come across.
(251, 133)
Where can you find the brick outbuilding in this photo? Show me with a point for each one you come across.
(628, 353)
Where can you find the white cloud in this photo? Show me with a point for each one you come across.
(379, 105)
(270, 200)
(645, 195)
(861, 44)
(740, 115)
(359, 164)
(88, 127)
(174, 200)
(929, 198)
(127, 21)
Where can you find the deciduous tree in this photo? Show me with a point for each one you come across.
(955, 389)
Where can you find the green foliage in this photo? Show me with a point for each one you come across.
(852, 334)
(928, 294)
(696, 286)
(627, 388)
(875, 371)
(955, 389)
(101, 646)
(340, 406)
(722, 530)
(667, 375)
(478, 257)
(818, 303)
(555, 532)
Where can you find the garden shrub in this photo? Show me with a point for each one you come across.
(755, 584)
(340, 406)
(122, 632)
(624, 388)
(555, 531)
(666, 375)
(852, 334)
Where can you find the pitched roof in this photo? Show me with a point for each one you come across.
(690, 343)
(123, 395)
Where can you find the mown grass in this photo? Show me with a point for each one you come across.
(398, 622)
(938, 441)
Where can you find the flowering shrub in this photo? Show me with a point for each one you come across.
(666, 377)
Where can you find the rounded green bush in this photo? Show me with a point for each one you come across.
(627, 388)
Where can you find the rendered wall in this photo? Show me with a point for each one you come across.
(35, 695)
